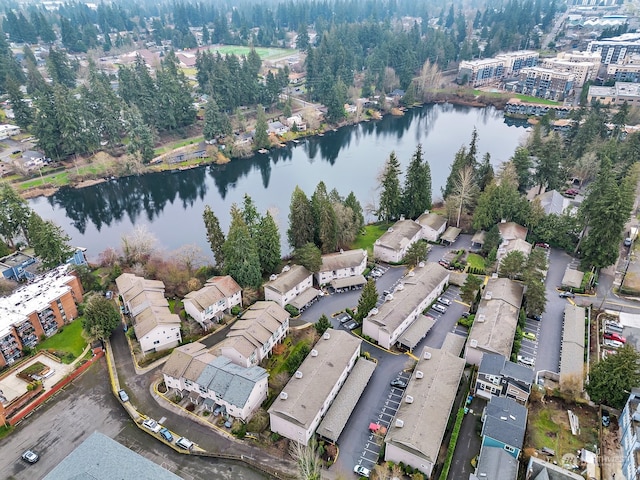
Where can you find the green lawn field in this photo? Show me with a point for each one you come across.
(265, 53)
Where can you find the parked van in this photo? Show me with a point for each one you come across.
(184, 443)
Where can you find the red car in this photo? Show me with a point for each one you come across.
(615, 336)
(571, 192)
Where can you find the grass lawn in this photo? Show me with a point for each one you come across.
(524, 98)
(70, 340)
(371, 234)
(265, 53)
(174, 145)
(548, 426)
(475, 261)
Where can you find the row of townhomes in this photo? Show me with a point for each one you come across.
(393, 244)
(227, 375)
(156, 328)
(208, 305)
(37, 310)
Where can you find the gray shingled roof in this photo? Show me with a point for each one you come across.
(397, 236)
(518, 372)
(101, 458)
(496, 463)
(232, 382)
(417, 331)
(344, 259)
(289, 279)
(491, 364)
(505, 421)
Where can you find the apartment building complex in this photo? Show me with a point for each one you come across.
(489, 70)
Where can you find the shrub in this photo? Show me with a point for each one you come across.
(467, 322)
(452, 444)
(275, 437)
(241, 431)
(296, 358)
(293, 311)
(236, 310)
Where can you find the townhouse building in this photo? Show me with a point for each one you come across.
(208, 305)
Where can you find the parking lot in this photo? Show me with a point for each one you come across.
(369, 456)
(529, 346)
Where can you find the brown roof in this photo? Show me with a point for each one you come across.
(289, 279)
(259, 322)
(226, 284)
(180, 358)
(511, 231)
(340, 260)
(151, 317)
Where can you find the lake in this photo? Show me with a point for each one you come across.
(170, 204)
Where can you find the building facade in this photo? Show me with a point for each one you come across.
(37, 310)
(544, 83)
(620, 93)
(292, 282)
(433, 225)
(500, 377)
(218, 296)
(392, 246)
(616, 49)
(492, 70)
(343, 264)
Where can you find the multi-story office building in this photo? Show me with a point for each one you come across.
(616, 49)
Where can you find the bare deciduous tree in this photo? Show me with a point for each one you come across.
(190, 256)
(430, 77)
(464, 192)
(391, 80)
(307, 459)
(138, 245)
(586, 167)
(109, 257)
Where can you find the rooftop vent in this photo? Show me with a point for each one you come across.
(314, 353)
(427, 355)
(408, 399)
(388, 297)
(473, 343)
(421, 264)
(272, 277)
(480, 318)
(488, 295)
(401, 217)
(419, 374)
(341, 251)
(286, 268)
(399, 423)
(373, 311)
(390, 229)
(411, 273)
(283, 395)
(326, 335)
(298, 374)
(504, 418)
(400, 287)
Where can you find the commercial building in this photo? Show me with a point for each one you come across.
(491, 70)
(293, 286)
(156, 328)
(496, 320)
(544, 83)
(252, 338)
(620, 93)
(349, 264)
(392, 246)
(304, 400)
(215, 381)
(218, 296)
(415, 436)
(616, 49)
(500, 377)
(572, 369)
(386, 324)
(37, 310)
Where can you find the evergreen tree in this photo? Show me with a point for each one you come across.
(141, 138)
(14, 215)
(49, 242)
(100, 318)
(216, 123)
(60, 69)
(485, 172)
(173, 96)
(416, 196)
(358, 218)
(241, 258)
(612, 378)
(512, 264)
(301, 222)
(470, 288)
(522, 162)
(302, 40)
(390, 196)
(309, 256)
(368, 300)
(416, 253)
(104, 105)
(261, 139)
(250, 214)
(268, 243)
(21, 110)
(325, 219)
(45, 127)
(205, 35)
(323, 324)
(215, 236)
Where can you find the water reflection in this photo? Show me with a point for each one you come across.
(347, 159)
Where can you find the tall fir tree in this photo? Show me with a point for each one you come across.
(215, 236)
(368, 300)
(324, 219)
(390, 203)
(301, 222)
(241, 258)
(268, 243)
(416, 195)
(261, 139)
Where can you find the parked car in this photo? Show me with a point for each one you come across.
(439, 308)
(465, 314)
(613, 327)
(399, 383)
(628, 242)
(30, 456)
(537, 318)
(567, 295)
(615, 336)
(217, 411)
(344, 317)
(572, 192)
(530, 336)
(528, 361)
(166, 434)
(542, 245)
(228, 424)
(184, 443)
(606, 419)
(123, 395)
(352, 325)
(362, 471)
(613, 343)
(152, 425)
(444, 301)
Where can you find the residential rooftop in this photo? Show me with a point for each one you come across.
(505, 421)
(216, 289)
(287, 280)
(319, 372)
(398, 236)
(432, 220)
(342, 259)
(573, 332)
(428, 400)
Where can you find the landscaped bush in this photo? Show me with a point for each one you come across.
(296, 358)
(241, 431)
(293, 311)
(452, 444)
(236, 310)
(467, 322)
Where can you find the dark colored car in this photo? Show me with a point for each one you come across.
(606, 419)
(399, 383)
(537, 318)
(542, 245)
(352, 325)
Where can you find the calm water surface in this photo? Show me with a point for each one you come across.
(171, 204)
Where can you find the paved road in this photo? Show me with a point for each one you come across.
(469, 441)
(85, 406)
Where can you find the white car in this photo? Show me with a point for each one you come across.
(152, 425)
(613, 343)
(528, 361)
(444, 301)
(362, 471)
(439, 308)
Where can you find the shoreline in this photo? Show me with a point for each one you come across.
(438, 98)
